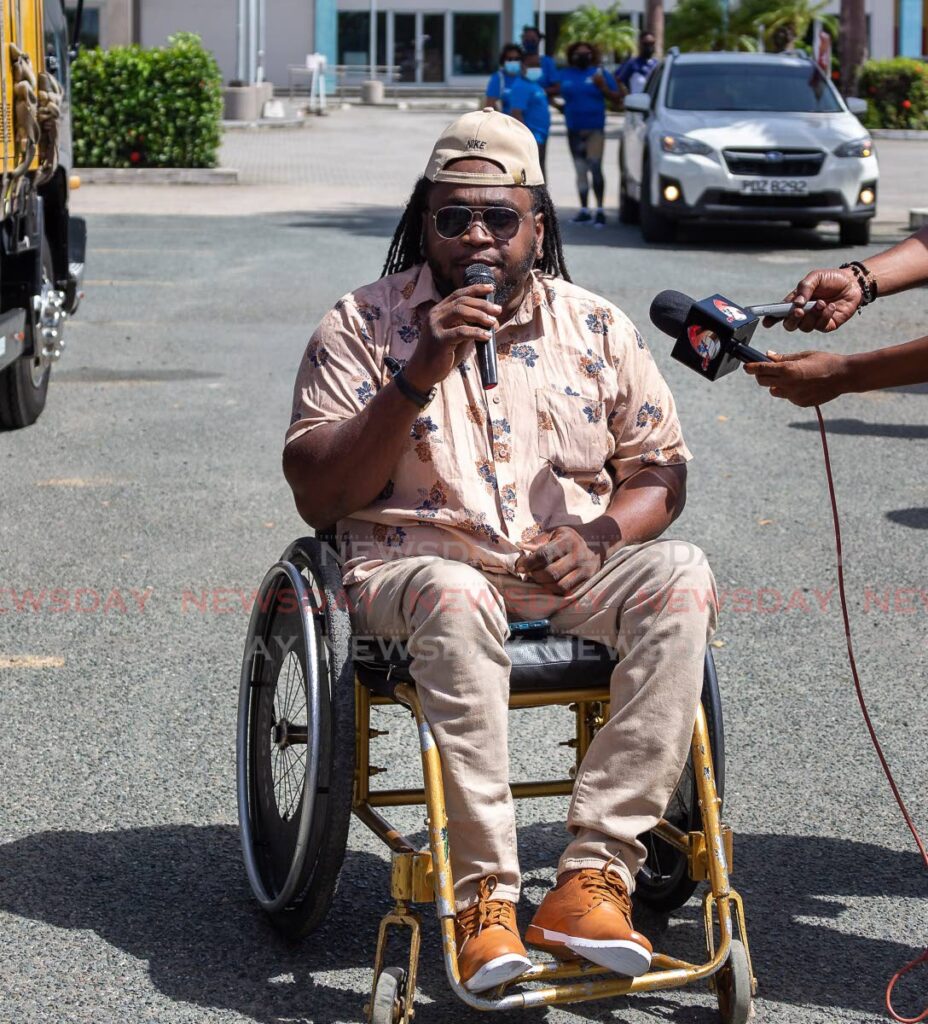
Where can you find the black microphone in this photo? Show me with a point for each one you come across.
(711, 334)
(480, 273)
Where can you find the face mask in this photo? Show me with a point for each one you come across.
(647, 52)
(512, 67)
(582, 61)
(533, 74)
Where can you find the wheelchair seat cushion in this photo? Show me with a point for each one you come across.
(538, 663)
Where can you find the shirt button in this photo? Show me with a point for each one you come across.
(496, 399)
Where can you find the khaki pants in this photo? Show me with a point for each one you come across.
(654, 602)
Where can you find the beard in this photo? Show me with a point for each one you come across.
(513, 283)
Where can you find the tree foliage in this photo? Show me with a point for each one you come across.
(703, 24)
(607, 30)
(159, 107)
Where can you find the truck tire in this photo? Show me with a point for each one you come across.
(24, 384)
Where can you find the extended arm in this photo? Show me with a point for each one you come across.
(812, 378)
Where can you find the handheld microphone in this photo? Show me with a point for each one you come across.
(480, 273)
(712, 334)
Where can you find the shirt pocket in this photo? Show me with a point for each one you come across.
(572, 431)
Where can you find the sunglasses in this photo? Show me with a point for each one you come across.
(501, 221)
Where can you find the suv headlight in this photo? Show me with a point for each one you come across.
(683, 144)
(857, 147)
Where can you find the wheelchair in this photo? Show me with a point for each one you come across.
(304, 766)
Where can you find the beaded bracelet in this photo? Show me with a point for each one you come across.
(865, 281)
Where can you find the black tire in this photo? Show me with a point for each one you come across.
(855, 232)
(24, 384)
(297, 690)
(664, 882)
(628, 208)
(734, 987)
(655, 227)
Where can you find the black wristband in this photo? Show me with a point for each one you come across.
(865, 281)
(413, 394)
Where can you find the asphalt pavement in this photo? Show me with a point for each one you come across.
(141, 511)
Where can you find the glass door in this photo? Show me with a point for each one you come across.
(432, 35)
(404, 46)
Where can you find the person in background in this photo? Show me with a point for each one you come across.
(528, 103)
(824, 300)
(633, 74)
(531, 44)
(500, 83)
(585, 86)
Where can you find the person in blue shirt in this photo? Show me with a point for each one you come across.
(531, 44)
(528, 103)
(500, 83)
(633, 74)
(585, 87)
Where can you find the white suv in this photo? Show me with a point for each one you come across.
(745, 136)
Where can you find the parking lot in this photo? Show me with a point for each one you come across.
(142, 510)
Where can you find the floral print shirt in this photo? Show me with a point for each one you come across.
(580, 407)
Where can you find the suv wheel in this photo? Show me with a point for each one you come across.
(655, 227)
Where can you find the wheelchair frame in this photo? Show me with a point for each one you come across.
(421, 876)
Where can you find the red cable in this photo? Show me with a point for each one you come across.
(923, 956)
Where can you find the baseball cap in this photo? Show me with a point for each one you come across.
(486, 135)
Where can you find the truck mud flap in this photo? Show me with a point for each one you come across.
(77, 252)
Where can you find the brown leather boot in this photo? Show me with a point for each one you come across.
(490, 952)
(589, 914)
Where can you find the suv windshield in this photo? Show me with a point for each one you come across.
(750, 86)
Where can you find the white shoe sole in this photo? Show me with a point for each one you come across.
(497, 972)
(620, 955)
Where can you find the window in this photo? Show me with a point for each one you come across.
(90, 25)
(56, 40)
(751, 85)
(476, 44)
(354, 37)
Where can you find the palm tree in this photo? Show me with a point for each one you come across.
(702, 25)
(654, 23)
(852, 44)
(606, 30)
(792, 18)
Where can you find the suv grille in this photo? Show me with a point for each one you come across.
(774, 163)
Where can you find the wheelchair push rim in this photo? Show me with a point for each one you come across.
(304, 659)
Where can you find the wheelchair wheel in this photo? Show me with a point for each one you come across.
(733, 987)
(387, 1007)
(295, 743)
(664, 882)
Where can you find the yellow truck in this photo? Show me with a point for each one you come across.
(42, 246)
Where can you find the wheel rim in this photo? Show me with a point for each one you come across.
(278, 729)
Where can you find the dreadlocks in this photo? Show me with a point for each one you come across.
(406, 248)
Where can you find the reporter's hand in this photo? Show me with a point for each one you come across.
(822, 301)
(803, 378)
(460, 319)
(560, 560)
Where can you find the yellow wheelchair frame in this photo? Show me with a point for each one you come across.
(307, 685)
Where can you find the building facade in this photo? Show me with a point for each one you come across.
(432, 44)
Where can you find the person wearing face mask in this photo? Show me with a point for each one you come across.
(531, 44)
(500, 83)
(528, 103)
(633, 74)
(585, 87)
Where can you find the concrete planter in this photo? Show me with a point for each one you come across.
(244, 102)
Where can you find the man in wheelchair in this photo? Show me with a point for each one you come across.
(461, 510)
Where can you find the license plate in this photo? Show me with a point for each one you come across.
(775, 186)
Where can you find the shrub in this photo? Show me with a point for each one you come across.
(147, 108)
(896, 92)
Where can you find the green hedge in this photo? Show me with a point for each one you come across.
(896, 92)
(147, 108)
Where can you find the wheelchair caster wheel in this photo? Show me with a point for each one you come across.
(387, 1007)
(734, 987)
